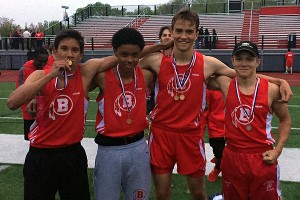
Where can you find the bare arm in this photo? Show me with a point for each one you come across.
(213, 66)
(156, 47)
(219, 83)
(26, 92)
(34, 84)
(284, 126)
(285, 89)
(151, 62)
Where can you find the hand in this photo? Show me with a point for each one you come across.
(285, 92)
(168, 52)
(168, 44)
(270, 157)
(58, 67)
(31, 108)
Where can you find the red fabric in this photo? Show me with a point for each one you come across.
(289, 57)
(180, 116)
(246, 174)
(216, 115)
(24, 72)
(61, 114)
(260, 136)
(112, 112)
(39, 36)
(168, 148)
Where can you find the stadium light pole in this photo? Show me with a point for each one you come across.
(65, 15)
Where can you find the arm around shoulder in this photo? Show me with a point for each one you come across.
(282, 112)
(97, 65)
(285, 89)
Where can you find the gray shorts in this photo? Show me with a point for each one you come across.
(126, 168)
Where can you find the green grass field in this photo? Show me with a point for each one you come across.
(11, 183)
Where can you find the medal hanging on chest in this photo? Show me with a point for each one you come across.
(250, 115)
(180, 82)
(128, 120)
(65, 78)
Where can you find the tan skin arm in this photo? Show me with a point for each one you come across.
(284, 125)
(34, 85)
(156, 47)
(285, 89)
(215, 66)
(151, 62)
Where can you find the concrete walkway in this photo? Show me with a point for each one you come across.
(13, 149)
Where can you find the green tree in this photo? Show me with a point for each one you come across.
(7, 26)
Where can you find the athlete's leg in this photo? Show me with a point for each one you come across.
(73, 179)
(136, 175)
(162, 183)
(108, 173)
(197, 187)
(39, 176)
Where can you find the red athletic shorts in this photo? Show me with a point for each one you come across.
(288, 63)
(168, 148)
(246, 176)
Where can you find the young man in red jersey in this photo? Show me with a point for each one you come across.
(175, 135)
(121, 121)
(289, 57)
(251, 151)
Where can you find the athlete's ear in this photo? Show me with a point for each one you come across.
(115, 51)
(258, 62)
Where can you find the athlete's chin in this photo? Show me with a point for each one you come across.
(129, 68)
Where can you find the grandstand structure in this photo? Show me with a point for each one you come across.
(269, 31)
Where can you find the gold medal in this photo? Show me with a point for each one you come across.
(129, 121)
(182, 97)
(176, 97)
(69, 62)
(248, 127)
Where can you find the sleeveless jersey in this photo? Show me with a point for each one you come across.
(61, 114)
(216, 115)
(289, 56)
(260, 136)
(112, 115)
(181, 115)
(27, 69)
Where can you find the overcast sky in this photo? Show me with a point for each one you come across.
(34, 11)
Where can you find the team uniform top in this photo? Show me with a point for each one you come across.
(239, 138)
(24, 72)
(179, 115)
(215, 118)
(61, 114)
(113, 111)
(50, 61)
(289, 58)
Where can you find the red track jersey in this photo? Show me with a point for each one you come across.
(181, 115)
(216, 115)
(112, 115)
(260, 136)
(61, 114)
(27, 69)
(289, 56)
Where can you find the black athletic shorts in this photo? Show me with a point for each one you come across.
(63, 170)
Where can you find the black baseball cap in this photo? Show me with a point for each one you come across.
(246, 46)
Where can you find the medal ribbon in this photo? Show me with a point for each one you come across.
(181, 83)
(254, 98)
(64, 73)
(122, 86)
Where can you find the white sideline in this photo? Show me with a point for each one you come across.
(13, 149)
